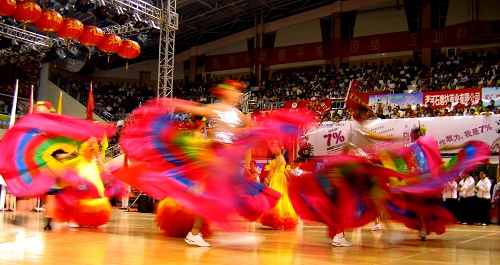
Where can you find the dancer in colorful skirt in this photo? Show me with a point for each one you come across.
(29, 163)
(352, 190)
(203, 176)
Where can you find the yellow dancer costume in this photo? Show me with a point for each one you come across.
(282, 216)
(90, 212)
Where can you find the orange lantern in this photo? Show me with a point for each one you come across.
(70, 29)
(27, 12)
(111, 44)
(129, 50)
(91, 36)
(51, 21)
(7, 7)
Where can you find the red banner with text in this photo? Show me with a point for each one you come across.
(450, 36)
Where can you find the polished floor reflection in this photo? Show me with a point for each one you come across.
(133, 238)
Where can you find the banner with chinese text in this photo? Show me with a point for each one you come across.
(330, 137)
(449, 36)
(318, 106)
(440, 98)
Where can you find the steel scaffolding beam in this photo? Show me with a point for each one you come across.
(169, 23)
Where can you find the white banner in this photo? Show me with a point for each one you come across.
(330, 137)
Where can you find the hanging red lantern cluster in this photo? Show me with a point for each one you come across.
(27, 12)
(51, 21)
(7, 7)
(129, 50)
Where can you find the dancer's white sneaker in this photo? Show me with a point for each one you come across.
(339, 240)
(423, 235)
(376, 227)
(196, 240)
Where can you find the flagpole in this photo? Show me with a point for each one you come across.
(59, 103)
(348, 91)
(14, 106)
(30, 111)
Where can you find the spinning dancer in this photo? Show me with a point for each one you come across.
(173, 218)
(353, 190)
(30, 165)
(201, 176)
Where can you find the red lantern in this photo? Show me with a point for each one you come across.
(51, 21)
(71, 29)
(91, 36)
(130, 50)
(7, 7)
(27, 12)
(111, 43)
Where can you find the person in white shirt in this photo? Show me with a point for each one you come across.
(466, 193)
(483, 199)
(449, 195)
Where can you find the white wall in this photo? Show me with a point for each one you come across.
(239, 46)
(458, 12)
(380, 22)
(305, 32)
(488, 10)
(48, 91)
(178, 71)
(381, 56)
(133, 71)
(297, 65)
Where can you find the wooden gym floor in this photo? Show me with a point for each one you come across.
(133, 238)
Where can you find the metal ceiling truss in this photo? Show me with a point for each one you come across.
(169, 24)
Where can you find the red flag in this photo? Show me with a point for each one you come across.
(90, 104)
(355, 98)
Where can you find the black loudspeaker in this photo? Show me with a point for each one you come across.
(145, 206)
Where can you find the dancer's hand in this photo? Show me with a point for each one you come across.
(107, 171)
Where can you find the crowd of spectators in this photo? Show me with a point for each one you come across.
(466, 70)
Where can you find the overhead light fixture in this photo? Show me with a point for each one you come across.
(102, 11)
(74, 51)
(9, 21)
(82, 6)
(91, 50)
(154, 28)
(12, 60)
(61, 53)
(121, 17)
(64, 10)
(143, 39)
(139, 22)
(63, 2)
(15, 46)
